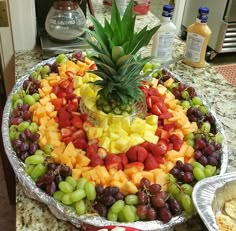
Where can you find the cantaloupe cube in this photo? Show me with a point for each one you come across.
(82, 160)
(133, 168)
(116, 184)
(168, 82)
(148, 175)
(47, 90)
(161, 89)
(169, 165)
(160, 177)
(189, 152)
(128, 188)
(70, 150)
(103, 175)
(136, 178)
(172, 154)
(34, 107)
(44, 100)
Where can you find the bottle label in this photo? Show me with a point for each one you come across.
(163, 49)
(193, 47)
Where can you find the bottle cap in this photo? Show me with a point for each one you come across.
(167, 10)
(203, 10)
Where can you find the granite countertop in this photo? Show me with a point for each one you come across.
(33, 215)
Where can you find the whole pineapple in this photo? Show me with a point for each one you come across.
(118, 64)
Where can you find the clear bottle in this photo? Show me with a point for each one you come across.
(163, 39)
(198, 35)
(65, 21)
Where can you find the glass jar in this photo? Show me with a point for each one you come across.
(65, 21)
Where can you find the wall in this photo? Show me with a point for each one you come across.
(23, 24)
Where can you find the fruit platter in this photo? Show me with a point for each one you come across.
(107, 138)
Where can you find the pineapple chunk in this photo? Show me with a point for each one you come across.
(94, 132)
(150, 137)
(152, 119)
(138, 126)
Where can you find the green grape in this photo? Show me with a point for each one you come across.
(174, 84)
(38, 171)
(39, 152)
(185, 104)
(189, 136)
(77, 195)
(121, 216)
(66, 199)
(206, 127)
(185, 94)
(61, 58)
(134, 209)
(29, 99)
(129, 214)
(187, 203)
(38, 69)
(147, 67)
(80, 207)
(197, 164)
(23, 125)
(58, 195)
(156, 65)
(173, 189)
(219, 138)
(15, 97)
(65, 187)
(48, 148)
(90, 191)
(131, 199)
(197, 100)
(81, 183)
(34, 74)
(35, 159)
(13, 134)
(155, 74)
(29, 168)
(33, 127)
(45, 70)
(187, 189)
(203, 109)
(190, 142)
(112, 216)
(171, 178)
(199, 173)
(18, 101)
(210, 170)
(117, 206)
(71, 181)
(13, 127)
(36, 97)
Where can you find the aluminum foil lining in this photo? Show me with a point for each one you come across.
(210, 194)
(67, 213)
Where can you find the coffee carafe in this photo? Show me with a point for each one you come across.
(65, 21)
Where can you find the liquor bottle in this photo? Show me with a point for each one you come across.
(163, 39)
(198, 35)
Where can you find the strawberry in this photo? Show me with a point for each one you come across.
(170, 126)
(86, 125)
(84, 117)
(64, 83)
(166, 115)
(67, 140)
(58, 103)
(158, 149)
(77, 122)
(80, 143)
(176, 141)
(150, 163)
(137, 154)
(124, 159)
(65, 132)
(113, 161)
(156, 110)
(79, 134)
(145, 145)
(95, 160)
(153, 91)
(149, 102)
(71, 107)
(159, 159)
(91, 150)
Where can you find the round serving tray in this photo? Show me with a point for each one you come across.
(65, 212)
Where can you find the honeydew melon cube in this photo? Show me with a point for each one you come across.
(94, 132)
(135, 139)
(138, 126)
(150, 137)
(152, 119)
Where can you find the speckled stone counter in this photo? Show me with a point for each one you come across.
(32, 215)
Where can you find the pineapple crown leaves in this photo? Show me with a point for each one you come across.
(119, 32)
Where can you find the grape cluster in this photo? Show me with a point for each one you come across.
(106, 197)
(79, 194)
(31, 85)
(182, 92)
(50, 180)
(183, 172)
(155, 204)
